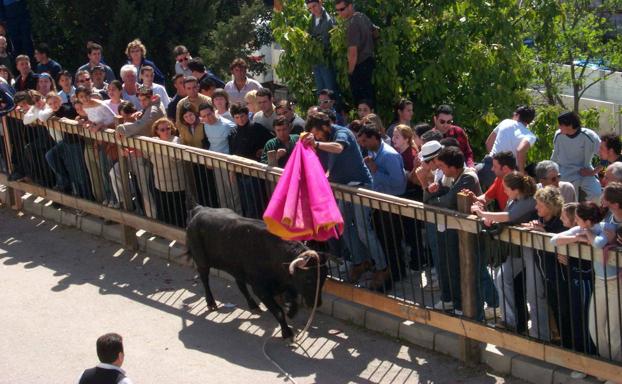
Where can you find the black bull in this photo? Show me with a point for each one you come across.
(245, 249)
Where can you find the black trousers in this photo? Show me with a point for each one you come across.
(360, 82)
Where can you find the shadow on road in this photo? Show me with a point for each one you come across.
(332, 352)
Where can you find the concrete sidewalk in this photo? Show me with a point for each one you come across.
(61, 289)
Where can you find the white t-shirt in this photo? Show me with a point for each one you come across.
(161, 91)
(510, 133)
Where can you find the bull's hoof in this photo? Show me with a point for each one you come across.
(253, 307)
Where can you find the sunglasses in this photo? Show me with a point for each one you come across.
(84, 80)
(441, 121)
(340, 9)
(324, 101)
(182, 60)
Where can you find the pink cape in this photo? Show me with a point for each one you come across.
(302, 206)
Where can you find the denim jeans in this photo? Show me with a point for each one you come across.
(325, 78)
(359, 235)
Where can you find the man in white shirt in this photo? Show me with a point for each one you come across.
(510, 135)
(111, 356)
(241, 83)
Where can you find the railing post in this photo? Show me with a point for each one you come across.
(128, 233)
(469, 349)
(14, 196)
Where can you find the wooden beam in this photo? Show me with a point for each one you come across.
(476, 331)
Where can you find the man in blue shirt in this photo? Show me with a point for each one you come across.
(44, 63)
(388, 176)
(341, 157)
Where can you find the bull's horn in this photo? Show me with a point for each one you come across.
(297, 263)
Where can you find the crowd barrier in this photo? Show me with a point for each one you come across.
(539, 307)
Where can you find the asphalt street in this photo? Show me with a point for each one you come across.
(60, 289)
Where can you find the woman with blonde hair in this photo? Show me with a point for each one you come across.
(136, 53)
(251, 102)
(168, 174)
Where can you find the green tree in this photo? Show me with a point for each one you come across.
(161, 25)
(465, 53)
(564, 32)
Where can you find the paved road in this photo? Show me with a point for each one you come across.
(60, 289)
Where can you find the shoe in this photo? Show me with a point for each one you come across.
(491, 313)
(444, 305)
(577, 375)
(432, 285)
(105, 203)
(16, 176)
(357, 270)
(114, 205)
(381, 281)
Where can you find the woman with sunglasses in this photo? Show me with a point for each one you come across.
(168, 174)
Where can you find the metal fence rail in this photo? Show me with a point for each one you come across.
(556, 312)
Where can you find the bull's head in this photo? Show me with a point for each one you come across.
(304, 271)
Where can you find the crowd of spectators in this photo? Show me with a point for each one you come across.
(433, 163)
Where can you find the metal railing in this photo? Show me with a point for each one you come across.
(554, 311)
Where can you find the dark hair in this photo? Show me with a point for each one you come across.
(5, 68)
(196, 65)
(505, 158)
(64, 72)
(525, 113)
(421, 128)
(280, 121)
(327, 92)
(92, 46)
(367, 102)
(82, 89)
(203, 106)
(444, 108)
(43, 48)
(348, 2)
(317, 120)
(207, 83)
(400, 106)
(108, 347)
(612, 141)
(452, 157)
(22, 96)
(589, 210)
(238, 109)
(449, 142)
(177, 76)
(264, 92)
(179, 50)
(355, 126)
(523, 184)
(126, 107)
(370, 130)
(219, 92)
(146, 68)
(116, 84)
(285, 104)
(238, 62)
(569, 118)
(187, 107)
(613, 193)
(431, 135)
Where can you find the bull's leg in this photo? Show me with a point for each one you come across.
(291, 301)
(244, 289)
(266, 297)
(211, 303)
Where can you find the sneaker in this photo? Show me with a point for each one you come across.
(577, 375)
(444, 305)
(432, 285)
(491, 313)
(105, 203)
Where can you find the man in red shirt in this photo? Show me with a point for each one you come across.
(443, 122)
(502, 164)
